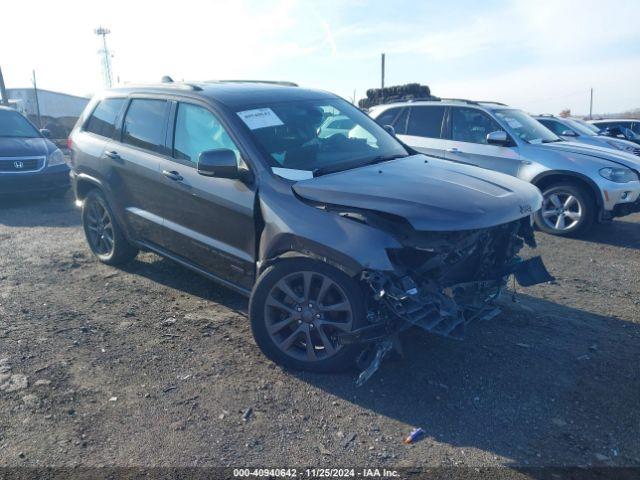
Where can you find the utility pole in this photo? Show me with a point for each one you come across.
(591, 105)
(35, 91)
(382, 78)
(4, 100)
(107, 76)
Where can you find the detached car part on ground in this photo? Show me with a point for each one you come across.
(580, 183)
(341, 243)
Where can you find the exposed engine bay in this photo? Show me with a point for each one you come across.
(442, 281)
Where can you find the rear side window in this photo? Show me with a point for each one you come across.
(425, 121)
(144, 124)
(103, 119)
(198, 130)
(388, 116)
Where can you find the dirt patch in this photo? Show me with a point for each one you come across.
(153, 365)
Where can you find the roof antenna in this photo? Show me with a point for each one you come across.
(166, 79)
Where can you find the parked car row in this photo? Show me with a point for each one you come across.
(590, 178)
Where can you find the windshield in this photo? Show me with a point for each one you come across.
(526, 127)
(587, 125)
(579, 127)
(12, 124)
(319, 135)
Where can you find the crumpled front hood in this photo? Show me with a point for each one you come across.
(432, 194)
(23, 147)
(602, 153)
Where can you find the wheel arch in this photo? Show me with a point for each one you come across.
(545, 179)
(85, 183)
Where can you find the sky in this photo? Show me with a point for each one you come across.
(542, 56)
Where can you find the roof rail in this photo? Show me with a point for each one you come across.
(462, 100)
(473, 102)
(491, 102)
(283, 83)
(163, 84)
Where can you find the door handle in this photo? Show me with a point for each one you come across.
(454, 150)
(113, 155)
(173, 175)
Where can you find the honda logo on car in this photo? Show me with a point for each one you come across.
(18, 165)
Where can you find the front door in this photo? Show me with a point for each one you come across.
(468, 144)
(207, 221)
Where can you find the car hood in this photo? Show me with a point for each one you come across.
(431, 194)
(602, 153)
(23, 147)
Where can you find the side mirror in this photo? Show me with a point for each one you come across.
(390, 130)
(220, 163)
(45, 133)
(568, 133)
(499, 137)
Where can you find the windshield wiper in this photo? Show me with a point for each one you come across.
(355, 164)
(553, 141)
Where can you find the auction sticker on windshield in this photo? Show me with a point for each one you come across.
(260, 118)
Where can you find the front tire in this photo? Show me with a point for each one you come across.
(567, 210)
(104, 236)
(297, 308)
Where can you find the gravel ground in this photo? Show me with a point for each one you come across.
(154, 366)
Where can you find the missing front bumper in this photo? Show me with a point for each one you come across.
(399, 304)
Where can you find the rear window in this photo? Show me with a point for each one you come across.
(144, 124)
(103, 119)
(425, 121)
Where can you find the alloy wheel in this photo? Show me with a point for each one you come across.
(561, 211)
(304, 313)
(99, 229)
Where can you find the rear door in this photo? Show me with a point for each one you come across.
(421, 127)
(469, 129)
(134, 165)
(208, 221)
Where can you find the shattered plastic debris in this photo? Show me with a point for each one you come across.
(382, 348)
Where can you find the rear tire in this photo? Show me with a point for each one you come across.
(568, 210)
(104, 236)
(297, 308)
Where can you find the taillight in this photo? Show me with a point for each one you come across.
(69, 143)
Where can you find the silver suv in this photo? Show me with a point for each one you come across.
(580, 183)
(573, 130)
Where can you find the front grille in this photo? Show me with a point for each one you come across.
(636, 151)
(21, 164)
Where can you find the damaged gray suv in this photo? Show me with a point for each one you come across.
(341, 243)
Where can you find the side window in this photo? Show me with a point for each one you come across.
(388, 116)
(103, 119)
(198, 130)
(471, 125)
(636, 127)
(425, 121)
(555, 127)
(144, 124)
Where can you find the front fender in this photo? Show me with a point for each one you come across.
(293, 226)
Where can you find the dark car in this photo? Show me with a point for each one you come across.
(627, 129)
(340, 241)
(29, 162)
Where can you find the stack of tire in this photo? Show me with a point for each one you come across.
(398, 93)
